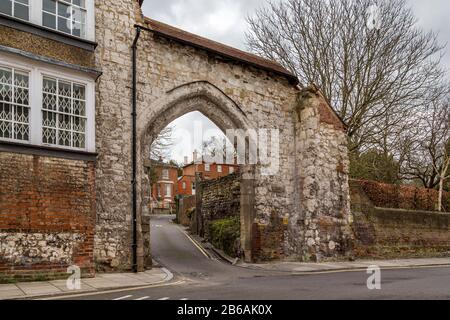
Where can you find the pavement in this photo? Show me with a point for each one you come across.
(301, 268)
(101, 282)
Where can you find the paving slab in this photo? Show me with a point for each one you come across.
(99, 283)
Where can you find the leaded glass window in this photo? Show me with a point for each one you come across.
(14, 105)
(16, 8)
(64, 113)
(68, 16)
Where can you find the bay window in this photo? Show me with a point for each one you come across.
(42, 105)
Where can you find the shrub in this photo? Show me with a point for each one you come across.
(225, 235)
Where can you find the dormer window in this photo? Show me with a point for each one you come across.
(16, 8)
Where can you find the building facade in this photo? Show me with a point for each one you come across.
(164, 184)
(71, 191)
(206, 171)
(47, 137)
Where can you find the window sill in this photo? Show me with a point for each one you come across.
(47, 33)
(22, 148)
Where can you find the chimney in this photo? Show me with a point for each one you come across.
(195, 156)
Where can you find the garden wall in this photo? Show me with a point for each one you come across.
(384, 233)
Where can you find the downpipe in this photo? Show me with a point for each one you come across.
(134, 147)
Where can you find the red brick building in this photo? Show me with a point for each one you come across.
(186, 183)
(164, 184)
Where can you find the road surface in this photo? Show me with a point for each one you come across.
(200, 278)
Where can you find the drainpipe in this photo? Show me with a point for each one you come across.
(134, 135)
(134, 156)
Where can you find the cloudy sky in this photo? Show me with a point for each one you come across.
(224, 21)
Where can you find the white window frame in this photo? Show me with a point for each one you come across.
(12, 10)
(231, 170)
(184, 185)
(165, 174)
(37, 71)
(219, 168)
(35, 17)
(14, 105)
(168, 191)
(207, 167)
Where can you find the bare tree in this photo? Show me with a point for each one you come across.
(376, 76)
(162, 144)
(428, 159)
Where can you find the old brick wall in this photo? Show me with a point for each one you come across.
(396, 233)
(47, 215)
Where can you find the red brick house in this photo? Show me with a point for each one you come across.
(164, 184)
(186, 183)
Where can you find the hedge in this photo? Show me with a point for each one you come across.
(225, 235)
(403, 196)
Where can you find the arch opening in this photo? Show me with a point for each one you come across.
(223, 114)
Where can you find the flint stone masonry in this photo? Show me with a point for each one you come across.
(300, 212)
(310, 188)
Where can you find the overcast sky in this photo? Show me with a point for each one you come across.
(224, 21)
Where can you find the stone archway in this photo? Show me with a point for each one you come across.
(206, 98)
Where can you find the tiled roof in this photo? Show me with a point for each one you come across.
(220, 49)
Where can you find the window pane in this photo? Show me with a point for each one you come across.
(76, 30)
(79, 140)
(20, 80)
(22, 1)
(64, 104)
(5, 129)
(79, 108)
(79, 124)
(49, 136)
(79, 15)
(64, 138)
(5, 93)
(49, 5)
(49, 85)
(80, 3)
(65, 89)
(5, 76)
(5, 112)
(64, 25)
(21, 11)
(6, 7)
(21, 131)
(48, 20)
(21, 96)
(63, 10)
(49, 119)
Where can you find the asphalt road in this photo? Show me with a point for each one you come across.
(200, 278)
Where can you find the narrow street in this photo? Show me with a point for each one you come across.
(197, 277)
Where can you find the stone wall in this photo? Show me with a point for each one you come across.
(220, 199)
(320, 229)
(47, 216)
(174, 79)
(397, 233)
